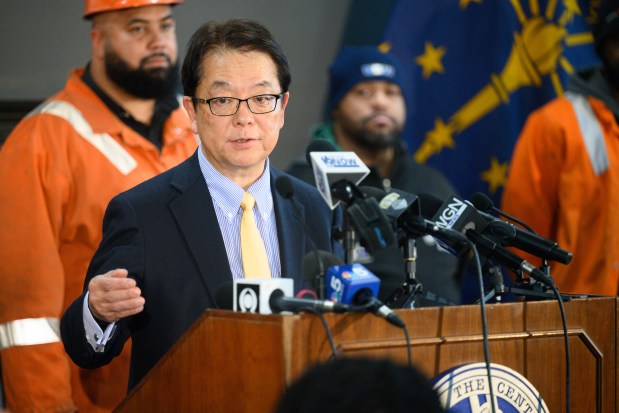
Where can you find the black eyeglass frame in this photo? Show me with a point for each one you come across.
(277, 96)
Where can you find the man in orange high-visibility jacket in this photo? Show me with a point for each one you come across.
(115, 124)
(564, 174)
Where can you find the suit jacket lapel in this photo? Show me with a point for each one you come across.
(195, 214)
(290, 233)
(194, 211)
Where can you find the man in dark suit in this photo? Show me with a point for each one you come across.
(169, 243)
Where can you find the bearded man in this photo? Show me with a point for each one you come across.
(367, 112)
(116, 123)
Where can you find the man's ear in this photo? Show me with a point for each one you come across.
(97, 39)
(191, 112)
(285, 99)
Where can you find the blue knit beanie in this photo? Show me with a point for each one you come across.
(355, 64)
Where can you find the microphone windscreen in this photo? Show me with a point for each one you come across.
(482, 202)
(283, 185)
(429, 205)
(311, 267)
(373, 192)
(224, 295)
(318, 145)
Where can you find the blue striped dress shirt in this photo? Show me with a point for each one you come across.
(227, 197)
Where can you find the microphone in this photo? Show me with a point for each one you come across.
(269, 296)
(463, 217)
(354, 284)
(314, 264)
(337, 174)
(459, 215)
(407, 211)
(525, 240)
(394, 204)
(280, 303)
(483, 203)
(318, 145)
(369, 221)
(284, 187)
(492, 250)
(334, 171)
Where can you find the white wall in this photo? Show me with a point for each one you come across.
(41, 40)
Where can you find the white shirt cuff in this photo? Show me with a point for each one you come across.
(96, 337)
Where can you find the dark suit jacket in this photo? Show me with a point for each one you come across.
(165, 233)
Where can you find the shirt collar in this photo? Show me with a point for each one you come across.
(164, 106)
(227, 195)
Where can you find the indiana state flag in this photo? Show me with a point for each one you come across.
(478, 68)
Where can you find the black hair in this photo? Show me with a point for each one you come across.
(360, 385)
(237, 34)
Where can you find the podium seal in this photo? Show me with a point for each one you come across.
(464, 389)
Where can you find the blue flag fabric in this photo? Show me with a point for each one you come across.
(478, 68)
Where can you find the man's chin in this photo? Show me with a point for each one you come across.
(381, 130)
(157, 72)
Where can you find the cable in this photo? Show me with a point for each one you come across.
(334, 354)
(567, 347)
(484, 323)
(408, 346)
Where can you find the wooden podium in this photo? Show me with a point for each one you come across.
(235, 362)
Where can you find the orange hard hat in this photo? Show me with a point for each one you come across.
(98, 6)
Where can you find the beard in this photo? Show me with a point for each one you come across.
(371, 139)
(142, 83)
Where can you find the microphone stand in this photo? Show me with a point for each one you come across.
(496, 281)
(406, 294)
(411, 287)
(349, 240)
(527, 288)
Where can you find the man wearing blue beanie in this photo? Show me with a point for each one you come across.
(366, 107)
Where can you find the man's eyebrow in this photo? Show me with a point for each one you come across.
(264, 83)
(222, 84)
(141, 20)
(218, 84)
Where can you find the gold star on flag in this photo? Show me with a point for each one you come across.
(465, 3)
(572, 8)
(496, 176)
(384, 47)
(430, 60)
(441, 136)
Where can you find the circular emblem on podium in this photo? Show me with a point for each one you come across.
(464, 389)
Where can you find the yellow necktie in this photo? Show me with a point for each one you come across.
(253, 253)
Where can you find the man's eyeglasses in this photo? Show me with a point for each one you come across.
(227, 106)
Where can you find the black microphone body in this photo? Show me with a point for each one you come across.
(318, 145)
(364, 297)
(314, 269)
(526, 240)
(492, 250)
(278, 303)
(284, 187)
(463, 216)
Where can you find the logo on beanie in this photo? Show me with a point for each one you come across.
(465, 389)
(377, 70)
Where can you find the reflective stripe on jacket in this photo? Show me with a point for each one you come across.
(58, 170)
